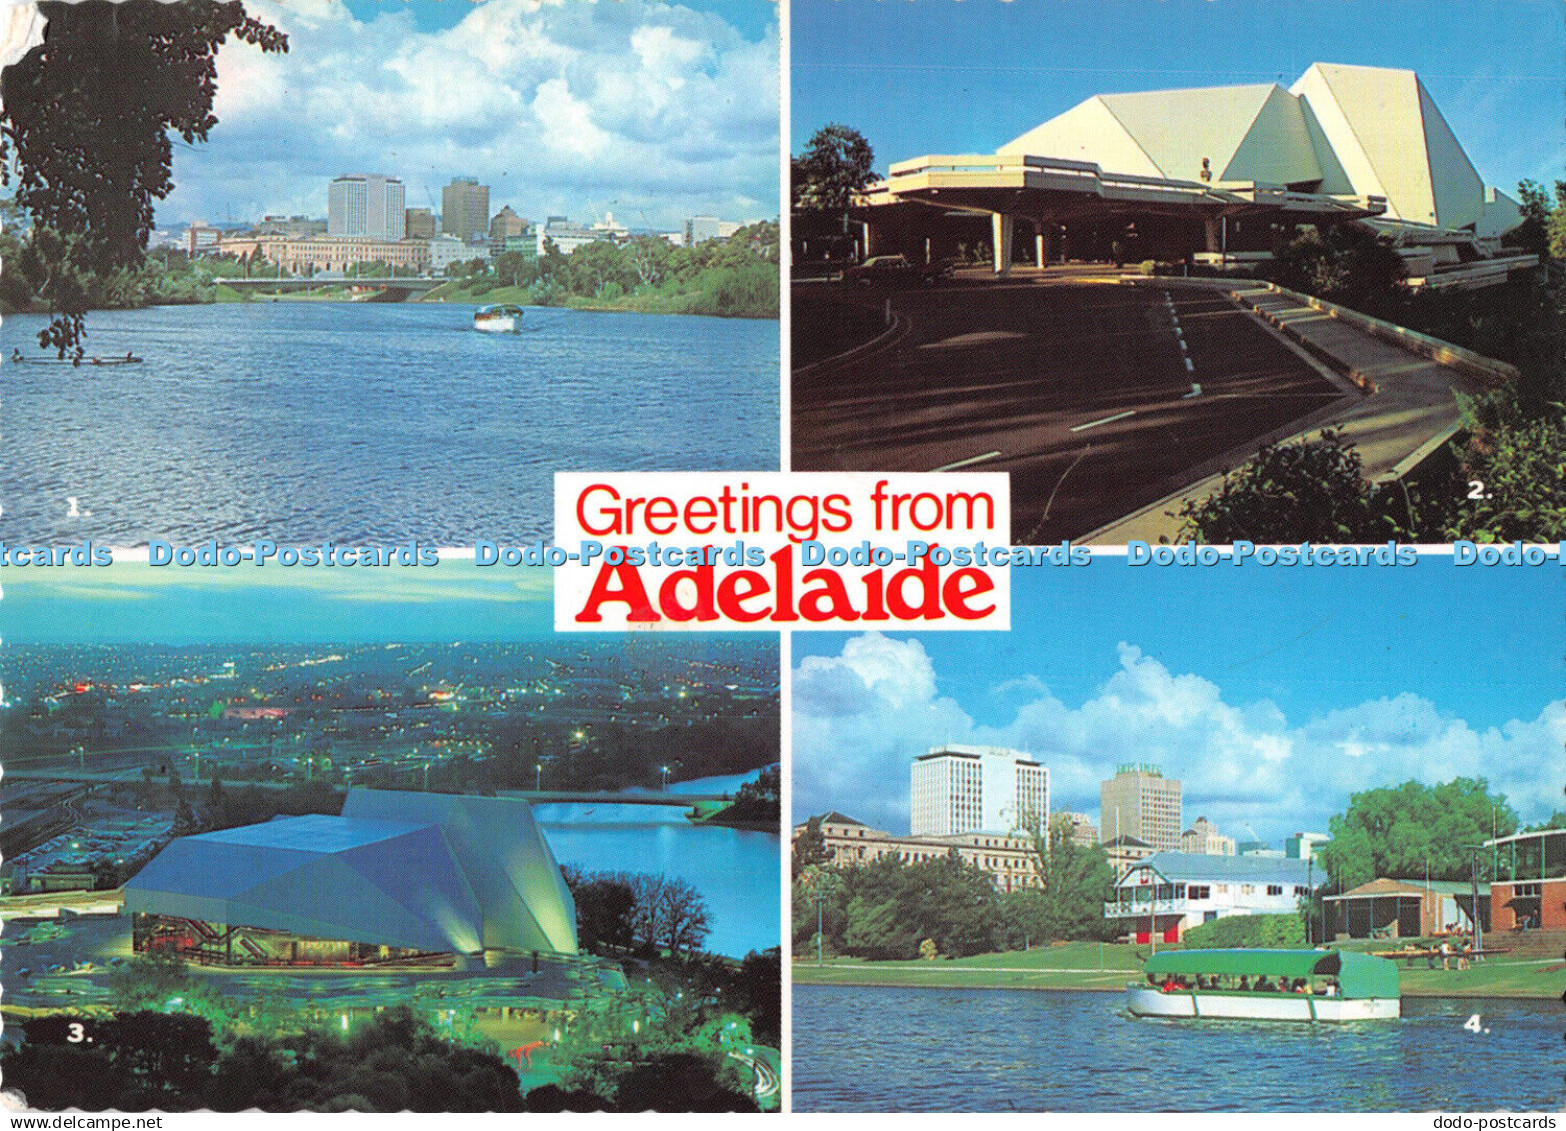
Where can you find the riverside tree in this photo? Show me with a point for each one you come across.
(86, 127)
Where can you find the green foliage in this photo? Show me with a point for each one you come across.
(874, 930)
(1340, 263)
(616, 1048)
(836, 164)
(1543, 230)
(88, 121)
(889, 908)
(172, 1062)
(1522, 464)
(809, 848)
(1402, 832)
(1078, 881)
(735, 278)
(1312, 490)
(1278, 931)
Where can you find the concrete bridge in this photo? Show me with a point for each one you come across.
(402, 288)
(550, 797)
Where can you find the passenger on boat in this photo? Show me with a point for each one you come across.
(1263, 985)
(1245, 984)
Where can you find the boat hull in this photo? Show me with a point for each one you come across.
(1147, 1001)
(498, 324)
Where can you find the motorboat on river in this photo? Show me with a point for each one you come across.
(1269, 985)
(501, 318)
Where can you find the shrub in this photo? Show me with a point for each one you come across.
(1247, 930)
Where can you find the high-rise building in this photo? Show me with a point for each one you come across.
(1140, 802)
(1204, 839)
(419, 223)
(368, 206)
(506, 224)
(464, 209)
(961, 789)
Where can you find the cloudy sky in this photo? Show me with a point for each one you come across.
(896, 71)
(656, 111)
(1271, 694)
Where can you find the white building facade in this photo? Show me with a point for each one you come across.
(366, 206)
(961, 789)
(1170, 892)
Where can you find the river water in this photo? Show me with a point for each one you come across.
(737, 872)
(859, 1048)
(368, 423)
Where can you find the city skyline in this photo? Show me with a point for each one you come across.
(534, 101)
(1271, 695)
(882, 69)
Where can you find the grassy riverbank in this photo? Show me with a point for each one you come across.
(738, 292)
(1078, 966)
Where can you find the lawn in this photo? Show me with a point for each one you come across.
(1076, 966)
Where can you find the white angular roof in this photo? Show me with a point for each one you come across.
(424, 871)
(1340, 130)
(1385, 130)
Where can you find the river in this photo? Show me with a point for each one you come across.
(737, 872)
(862, 1048)
(365, 423)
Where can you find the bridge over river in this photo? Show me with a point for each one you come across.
(551, 797)
(389, 290)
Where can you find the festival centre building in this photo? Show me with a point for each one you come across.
(1216, 175)
(400, 877)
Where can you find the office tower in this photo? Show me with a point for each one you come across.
(959, 789)
(464, 209)
(366, 206)
(1140, 802)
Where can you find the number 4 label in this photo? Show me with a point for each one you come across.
(1474, 1025)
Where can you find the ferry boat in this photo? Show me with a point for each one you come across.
(1270, 985)
(503, 318)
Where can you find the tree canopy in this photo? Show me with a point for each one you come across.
(1401, 832)
(87, 121)
(835, 164)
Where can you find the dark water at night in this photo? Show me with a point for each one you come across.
(864, 1048)
(735, 870)
(365, 423)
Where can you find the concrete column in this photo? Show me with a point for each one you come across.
(1214, 234)
(867, 236)
(1001, 229)
(1041, 242)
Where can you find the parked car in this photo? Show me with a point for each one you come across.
(896, 269)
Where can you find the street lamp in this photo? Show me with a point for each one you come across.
(665, 771)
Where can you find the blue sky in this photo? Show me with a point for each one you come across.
(1273, 694)
(939, 76)
(655, 110)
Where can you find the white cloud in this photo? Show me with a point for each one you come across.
(860, 716)
(562, 108)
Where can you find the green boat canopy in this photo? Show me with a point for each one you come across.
(1358, 975)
